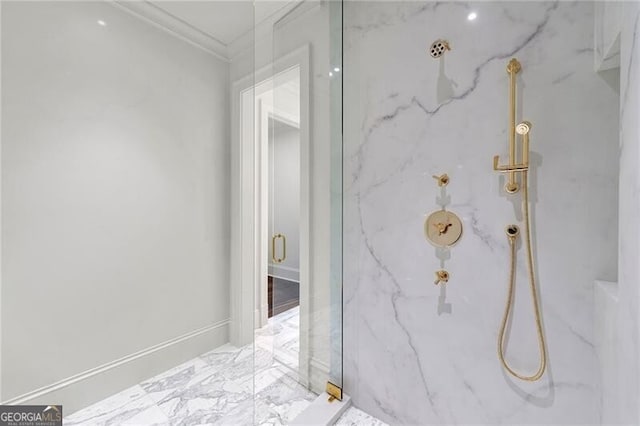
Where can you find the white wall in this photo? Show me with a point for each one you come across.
(407, 361)
(115, 194)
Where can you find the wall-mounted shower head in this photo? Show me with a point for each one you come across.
(523, 128)
(438, 48)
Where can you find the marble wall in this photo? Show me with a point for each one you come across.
(419, 354)
(628, 360)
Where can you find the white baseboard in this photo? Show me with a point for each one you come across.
(85, 388)
(257, 318)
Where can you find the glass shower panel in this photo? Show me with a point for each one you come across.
(302, 118)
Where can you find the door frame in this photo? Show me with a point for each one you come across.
(249, 228)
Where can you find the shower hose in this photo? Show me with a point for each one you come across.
(512, 232)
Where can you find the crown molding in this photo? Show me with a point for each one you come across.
(264, 28)
(160, 18)
(175, 26)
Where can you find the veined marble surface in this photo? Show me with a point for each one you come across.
(228, 386)
(413, 353)
(282, 337)
(628, 321)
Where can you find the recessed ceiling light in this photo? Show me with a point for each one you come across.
(336, 69)
(102, 23)
(472, 16)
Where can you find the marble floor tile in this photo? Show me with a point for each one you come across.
(170, 383)
(121, 408)
(255, 384)
(356, 417)
(281, 336)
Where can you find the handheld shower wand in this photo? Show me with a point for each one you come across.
(523, 129)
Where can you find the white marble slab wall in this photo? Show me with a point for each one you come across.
(607, 345)
(414, 355)
(629, 268)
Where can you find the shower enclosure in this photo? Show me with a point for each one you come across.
(189, 189)
(426, 93)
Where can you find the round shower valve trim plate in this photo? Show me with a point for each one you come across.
(443, 228)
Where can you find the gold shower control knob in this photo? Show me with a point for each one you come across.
(443, 228)
(442, 276)
(443, 180)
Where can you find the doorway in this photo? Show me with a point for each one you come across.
(271, 258)
(279, 137)
(283, 279)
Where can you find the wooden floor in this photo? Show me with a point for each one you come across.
(283, 295)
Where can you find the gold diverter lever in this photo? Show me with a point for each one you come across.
(523, 130)
(513, 231)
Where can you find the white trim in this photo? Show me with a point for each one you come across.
(257, 320)
(247, 41)
(242, 289)
(284, 272)
(155, 15)
(286, 268)
(265, 110)
(284, 118)
(113, 364)
(160, 18)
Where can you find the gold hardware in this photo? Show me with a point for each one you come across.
(523, 129)
(508, 169)
(443, 180)
(513, 231)
(512, 234)
(513, 68)
(442, 276)
(438, 48)
(443, 228)
(273, 248)
(334, 391)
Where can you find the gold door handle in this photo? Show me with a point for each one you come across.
(284, 248)
(273, 248)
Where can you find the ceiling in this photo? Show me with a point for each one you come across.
(224, 21)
